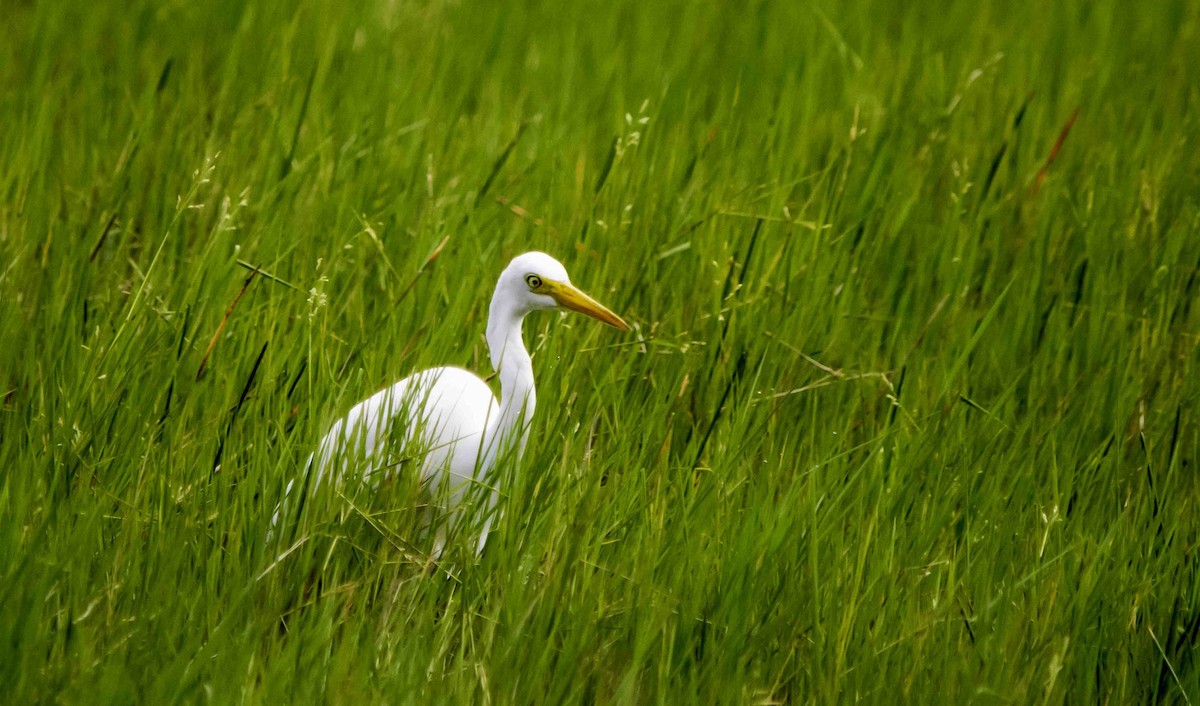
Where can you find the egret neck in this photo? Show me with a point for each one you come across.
(517, 395)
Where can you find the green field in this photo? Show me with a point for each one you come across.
(909, 413)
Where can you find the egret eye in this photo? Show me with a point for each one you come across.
(533, 281)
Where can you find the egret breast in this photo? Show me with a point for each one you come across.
(436, 420)
(441, 414)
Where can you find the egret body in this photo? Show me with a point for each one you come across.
(450, 414)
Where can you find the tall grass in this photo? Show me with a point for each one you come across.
(909, 414)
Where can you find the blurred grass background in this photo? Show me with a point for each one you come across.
(910, 413)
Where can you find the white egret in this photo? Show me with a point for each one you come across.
(449, 414)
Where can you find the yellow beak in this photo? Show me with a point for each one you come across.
(571, 298)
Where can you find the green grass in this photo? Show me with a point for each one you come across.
(910, 413)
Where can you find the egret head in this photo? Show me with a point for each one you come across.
(535, 281)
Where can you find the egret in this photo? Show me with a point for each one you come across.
(449, 414)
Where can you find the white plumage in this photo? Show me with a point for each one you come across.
(449, 415)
